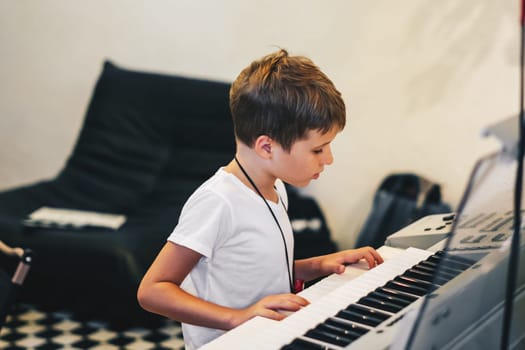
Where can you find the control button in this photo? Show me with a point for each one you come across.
(499, 237)
(466, 239)
(479, 239)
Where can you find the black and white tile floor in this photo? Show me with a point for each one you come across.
(28, 328)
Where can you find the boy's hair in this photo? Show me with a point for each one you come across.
(284, 97)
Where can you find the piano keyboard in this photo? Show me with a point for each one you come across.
(350, 309)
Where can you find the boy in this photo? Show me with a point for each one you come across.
(230, 257)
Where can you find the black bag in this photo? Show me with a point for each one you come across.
(396, 204)
(311, 233)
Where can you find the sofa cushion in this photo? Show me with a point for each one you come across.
(120, 150)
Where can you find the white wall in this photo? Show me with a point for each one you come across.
(421, 78)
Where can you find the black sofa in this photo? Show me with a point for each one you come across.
(148, 140)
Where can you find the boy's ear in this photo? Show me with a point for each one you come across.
(263, 146)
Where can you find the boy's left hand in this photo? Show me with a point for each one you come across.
(336, 262)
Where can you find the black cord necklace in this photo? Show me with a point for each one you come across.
(290, 280)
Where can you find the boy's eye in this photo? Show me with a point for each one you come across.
(318, 151)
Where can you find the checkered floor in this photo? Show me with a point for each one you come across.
(29, 328)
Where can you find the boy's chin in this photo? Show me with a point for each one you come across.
(300, 184)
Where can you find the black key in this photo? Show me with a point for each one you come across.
(324, 327)
(397, 294)
(443, 267)
(465, 261)
(369, 311)
(431, 261)
(358, 317)
(460, 259)
(421, 267)
(421, 275)
(380, 304)
(389, 298)
(452, 263)
(449, 271)
(405, 287)
(350, 329)
(328, 337)
(427, 286)
(443, 274)
(431, 266)
(438, 278)
(445, 270)
(301, 344)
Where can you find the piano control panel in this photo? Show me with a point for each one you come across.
(483, 231)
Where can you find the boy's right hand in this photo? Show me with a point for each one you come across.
(272, 307)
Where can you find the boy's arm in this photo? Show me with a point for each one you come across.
(159, 292)
(319, 266)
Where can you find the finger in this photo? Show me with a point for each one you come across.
(296, 299)
(373, 259)
(340, 268)
(354, 256)
(272, 314)
(289, 302)
(370, 260)
(378, 257)
(371, 253)
(290, 306)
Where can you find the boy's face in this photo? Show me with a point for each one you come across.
(306, 159)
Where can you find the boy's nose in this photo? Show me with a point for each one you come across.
(329, 159)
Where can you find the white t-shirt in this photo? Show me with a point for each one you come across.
(243, 253)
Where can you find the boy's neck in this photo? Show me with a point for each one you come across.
(255, 170)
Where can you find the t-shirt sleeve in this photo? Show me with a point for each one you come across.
(204, 223)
